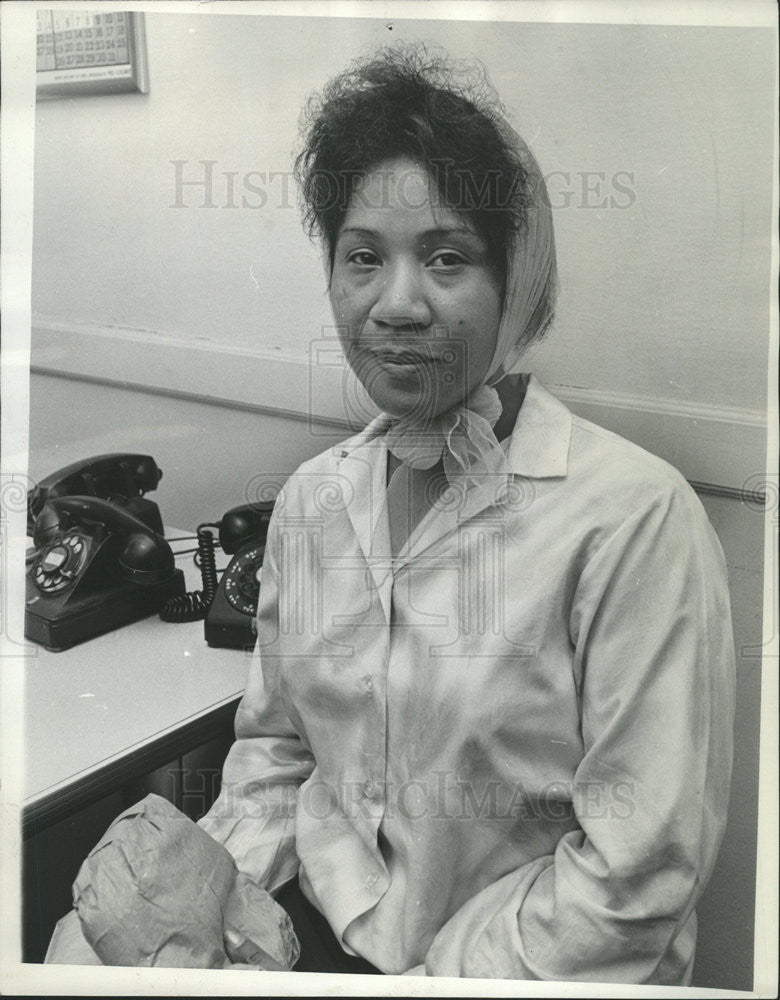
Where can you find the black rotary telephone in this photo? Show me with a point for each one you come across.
(228, 604)
(99, 562)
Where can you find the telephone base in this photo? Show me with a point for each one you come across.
(230, 634)
(114, 607)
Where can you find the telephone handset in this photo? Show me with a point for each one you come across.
(97, 566)
(228, 605)
(121, 478)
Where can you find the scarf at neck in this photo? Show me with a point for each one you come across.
(463, 438)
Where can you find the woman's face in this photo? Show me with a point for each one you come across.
(417, 304)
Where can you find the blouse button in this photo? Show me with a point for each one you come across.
(370, 790)
(369, 682)
(372, 880)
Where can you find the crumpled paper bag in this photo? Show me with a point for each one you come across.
(157, 890)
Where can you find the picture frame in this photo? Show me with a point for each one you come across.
(89, 52)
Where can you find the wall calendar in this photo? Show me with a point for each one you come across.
(81, 52)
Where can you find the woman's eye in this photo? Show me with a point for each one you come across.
(363, 258)
(447, 259)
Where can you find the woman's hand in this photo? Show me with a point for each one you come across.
(245, 954)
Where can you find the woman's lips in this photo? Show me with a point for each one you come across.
(404, 359)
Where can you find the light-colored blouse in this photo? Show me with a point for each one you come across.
(506, 752)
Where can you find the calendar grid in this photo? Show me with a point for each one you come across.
(80, 39)
(88, 52)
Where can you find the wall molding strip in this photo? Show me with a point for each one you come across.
(720, 448)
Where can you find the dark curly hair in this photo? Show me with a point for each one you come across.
(405, 102)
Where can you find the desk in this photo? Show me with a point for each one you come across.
(119, 706)
(99, 718)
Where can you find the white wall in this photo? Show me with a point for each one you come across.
(666, 297)
(186, 331)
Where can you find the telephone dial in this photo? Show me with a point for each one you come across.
(100, 558)
(228, 604)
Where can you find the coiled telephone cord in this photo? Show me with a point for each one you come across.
(194, 606)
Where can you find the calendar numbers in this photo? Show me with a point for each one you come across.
(79, 39)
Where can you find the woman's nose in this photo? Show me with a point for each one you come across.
(401, 300)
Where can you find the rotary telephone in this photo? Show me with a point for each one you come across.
(228, 605)
(100, 558)
(101, 561)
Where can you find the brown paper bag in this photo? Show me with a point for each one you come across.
(155, 891)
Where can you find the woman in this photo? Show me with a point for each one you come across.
(490, 729)
(489, 732)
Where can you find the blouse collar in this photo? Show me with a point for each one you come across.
(537, 448)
